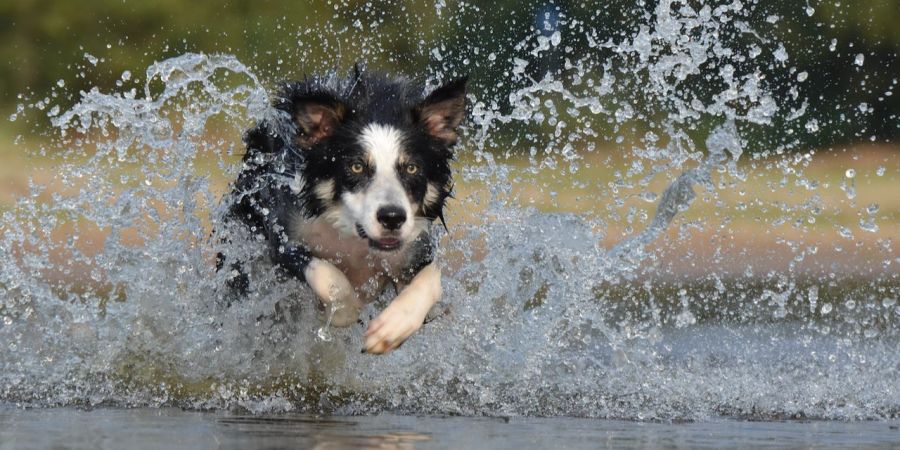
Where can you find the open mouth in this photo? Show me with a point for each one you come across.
(384, 244)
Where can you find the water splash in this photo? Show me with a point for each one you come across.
(109, 295)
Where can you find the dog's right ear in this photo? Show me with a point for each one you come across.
(317, 116)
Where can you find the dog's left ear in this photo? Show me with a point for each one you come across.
(443, 110)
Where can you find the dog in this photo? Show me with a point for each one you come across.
(344, 183)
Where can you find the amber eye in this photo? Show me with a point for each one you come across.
(357, 167)
(412, 169)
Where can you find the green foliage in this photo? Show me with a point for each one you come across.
(45, 42)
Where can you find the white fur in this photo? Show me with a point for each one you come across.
(404, 316)
(335, 291)
(384, 144)
(384, 147)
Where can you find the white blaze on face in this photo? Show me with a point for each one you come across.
(383, 145)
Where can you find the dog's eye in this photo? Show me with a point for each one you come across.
(412, 169)
(357, 167)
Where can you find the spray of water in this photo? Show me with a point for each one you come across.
(109, 293)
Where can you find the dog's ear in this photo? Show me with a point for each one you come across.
(443, 110)
(317, 116)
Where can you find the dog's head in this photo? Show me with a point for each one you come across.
(377, 154)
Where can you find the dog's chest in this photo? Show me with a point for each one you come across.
(363, 267)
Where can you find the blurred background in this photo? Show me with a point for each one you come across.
(53, 49)
(842, 54)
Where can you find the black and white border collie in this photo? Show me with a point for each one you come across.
(344, 183)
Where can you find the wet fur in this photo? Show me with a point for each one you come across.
(298, 191)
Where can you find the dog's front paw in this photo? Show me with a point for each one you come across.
(393, 326)
(335, 292)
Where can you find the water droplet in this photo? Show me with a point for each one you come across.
(555, 38)
(860, 59)
(781, 54)
(850, 173)
(519, 67)
(826, 308)
(802, 76)
(684, 319)
(880, 171)
(868, 225)
(323, 334)
(845, 232)
(812, 126)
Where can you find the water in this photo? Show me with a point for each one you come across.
(110, 298)
(171, 428)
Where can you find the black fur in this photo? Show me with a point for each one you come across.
(314, 132)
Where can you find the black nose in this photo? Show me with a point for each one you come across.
(391, 217)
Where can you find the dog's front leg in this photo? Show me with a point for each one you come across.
(405, 315)
(334, 290)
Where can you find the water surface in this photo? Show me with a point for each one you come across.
(173, 428)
